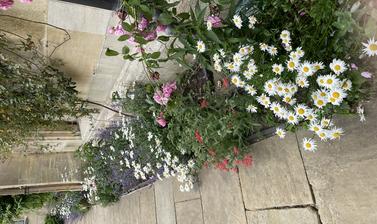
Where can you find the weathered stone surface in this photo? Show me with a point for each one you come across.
(221, 197)
(185, 196)
(277, 177)
(147, 206)
(86, 19)
(164, 194)
(343, 173)
(282, 216)
(189, 212)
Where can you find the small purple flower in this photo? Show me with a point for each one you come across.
(302, 13)
(161, 28)
(143, 24)
(26, 1)
(161, 120)
(118, 30)
(6, 4)
(366, 75)
(160, 98)
(169, 88)
(132, 41)
(215, 21)
(151, 36)
(354, 66)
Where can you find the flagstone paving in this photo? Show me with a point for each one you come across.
(286, 185)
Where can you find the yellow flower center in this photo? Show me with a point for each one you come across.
(336, 95)
(336, 135)
(276, 109)
(286, 90)
(322, 135)
(323, 94)
(329, 81)
(317, 67)
(306, 69)
(373, 47)
(301, 83)
(308, 145)
(337, 67)
(291, 64)
(301, 111)
(320, 102)
(280, 88)
(315, 97)
(322, 81)
(316, 129)
(332, 100)
(269, 86)
(291, 118)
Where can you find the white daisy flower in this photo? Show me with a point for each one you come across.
(217, 67)
(280, 132)
(222, 53)
(300, 52)
(291, 118)
(232, 67)
(237, 58)
(248, 74)
(288, 48)
(285, 34)
(252, 21)
(288, 99)
(275, 107)
(326, 123)
(200, 46)
(277, 68)
(335, 133)
(292, 64)
(323, 134)
(301, 110)
(302, 81)
(250, 90)
(336, 96)
(272, 50)
(269, 87)
(245, 50)
(309, 144)
(346, 85)
(370, 47)
(311, 116)
(263, 46)
(294, 56)
(318, 66)
(306, 69)
(236, 80)
(320, 102)
(216, 57)
(251, 108)
(328, 81)
(264, 100)
(315, 127)
(338, 66)
(237, 21)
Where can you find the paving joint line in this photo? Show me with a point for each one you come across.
(282, 207)
(187, 200)
(314, 207)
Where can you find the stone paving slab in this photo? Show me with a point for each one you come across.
(221, 197)
(165, 207)
(189, 212)
(283, 216)
(343, 173)
(185, 196)
(277, 177)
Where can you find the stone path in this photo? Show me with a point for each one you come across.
(286, 185)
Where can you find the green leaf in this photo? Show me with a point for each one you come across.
(110, 52)
(127, 27)
(134, 2)
(140, 40)
(165, 19)
(163, 38)
(125, 50)
(212, 35)
(155, 55)
(147, 11)
(183, 15)
(123, 37)
(128, 57)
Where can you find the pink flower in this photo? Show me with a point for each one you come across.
(354, 66)
(6, 4)
(160, 98)
(247, 160)
(151, 36)
(161, 120)
(111, 30)
(132, 41)
(143, 24)
(118, 30)
(26, 1)
(161, 28)
(215, 21)
(366, 75)
(168, 88)
(198, 137)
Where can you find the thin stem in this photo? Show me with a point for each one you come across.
(109, 108)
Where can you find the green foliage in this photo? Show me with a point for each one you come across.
(11, 207)
(53, 219)
(33, 94)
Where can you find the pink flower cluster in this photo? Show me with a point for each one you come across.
(7, 4)
(215, 21)
(162, 96)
